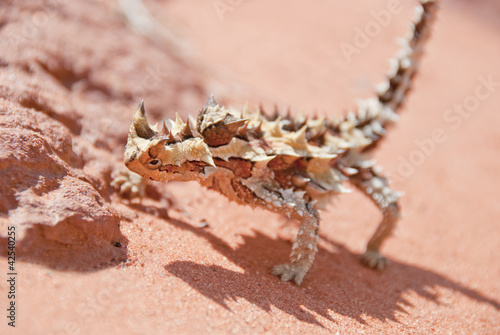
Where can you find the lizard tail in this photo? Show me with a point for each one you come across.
(375, 114)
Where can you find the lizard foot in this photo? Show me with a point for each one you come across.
(287, 272)
(128, 184)
(373, 259)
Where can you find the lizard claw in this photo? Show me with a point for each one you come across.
(128, 184)
(287, 272)
(373, 259)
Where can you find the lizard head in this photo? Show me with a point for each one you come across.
(178, 153)
(183, 152)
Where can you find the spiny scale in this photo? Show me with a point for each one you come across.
(291, 166)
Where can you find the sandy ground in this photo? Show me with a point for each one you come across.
(186, 261)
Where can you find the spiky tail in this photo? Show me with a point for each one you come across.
(374, 114)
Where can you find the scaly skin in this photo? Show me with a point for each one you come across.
(288, 166)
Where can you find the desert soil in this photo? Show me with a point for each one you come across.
(186, 261)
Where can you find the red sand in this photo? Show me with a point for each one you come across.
(71, 75)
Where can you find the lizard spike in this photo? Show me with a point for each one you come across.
(178, 118)
(242, 131)
(164, 129)
(207, 158)
(299, 137)
(299, 181)
(141, 109)
(300, 194)
(262, 113)
(276, 113)
(177, 125)
(258, 115)
(276, 129)
(257, 131)
(349, 171)
(140, 123)
(187, 131)
(291, 119)
(166, 134)
(304, 122)
(169, 139)
(162, 142)
(233, 125)
(261, 162)
(210, 102)
(315, 115)
(246, 112)
(319, 137)
(192, 122)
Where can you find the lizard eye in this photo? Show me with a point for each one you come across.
(153, 164)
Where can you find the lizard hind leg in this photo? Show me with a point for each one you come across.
(369, 180)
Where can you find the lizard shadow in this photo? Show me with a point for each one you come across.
(336, 284)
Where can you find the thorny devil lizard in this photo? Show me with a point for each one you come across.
(290, 166)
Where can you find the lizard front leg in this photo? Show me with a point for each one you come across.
(305, 246)
(295, 206)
